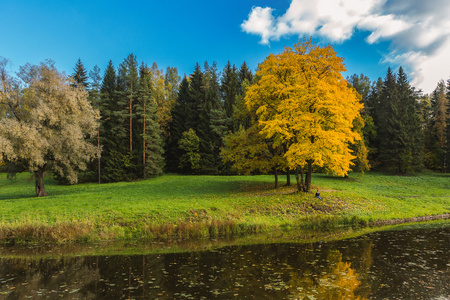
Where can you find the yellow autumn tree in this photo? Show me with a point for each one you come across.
(302, 97)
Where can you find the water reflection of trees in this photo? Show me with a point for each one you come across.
(50, 277)
(254, 272)
(336, 280)
(352, 269)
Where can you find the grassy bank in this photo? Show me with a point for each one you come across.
(209, 206)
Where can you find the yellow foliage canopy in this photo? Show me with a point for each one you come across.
(302, 97)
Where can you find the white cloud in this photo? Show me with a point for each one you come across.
(418, 30)
(260, 22)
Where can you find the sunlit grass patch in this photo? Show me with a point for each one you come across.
(210, 206)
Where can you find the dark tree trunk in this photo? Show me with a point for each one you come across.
(276, 177)
(308, 176)
(40, 189)
(300, 182)
(98, 155)
(288, 177)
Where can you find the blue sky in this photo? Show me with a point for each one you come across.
(181, 33)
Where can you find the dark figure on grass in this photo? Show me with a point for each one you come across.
(318, 195)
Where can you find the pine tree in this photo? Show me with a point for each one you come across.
(217, 116)
(112, 131)
(151, 137)
(177, 126)
(171, 88)
(131, 82)
(437, 130)
(171, 84)
(94, 98)
(411, 133)
(363, 124)
(399, 130)
(447, 148)
(229, 88)
(244, 74)
(80, 75)
(388, 118)
(371, 108)
(201, 123)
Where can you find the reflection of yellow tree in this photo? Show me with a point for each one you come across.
(337, 281)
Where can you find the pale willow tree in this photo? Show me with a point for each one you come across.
(302, 98)
(45, 121)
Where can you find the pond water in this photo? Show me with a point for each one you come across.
(393, 264)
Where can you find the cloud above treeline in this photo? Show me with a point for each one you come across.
(418, 30)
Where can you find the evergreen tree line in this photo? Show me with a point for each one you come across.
(151, 121)
(405, 130)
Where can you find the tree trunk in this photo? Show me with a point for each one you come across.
(308, 176)
(288, 177)
(300, 182)
(143, 151)
(98, 155)
(276, 177)
(131, 121)
(40, 188)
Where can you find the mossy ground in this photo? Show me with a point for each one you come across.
(209, 206)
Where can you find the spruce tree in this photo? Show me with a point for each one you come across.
(80, 75)
(229, 88)
(199, 119)
(151, 135)
(399, 131)
(244, 74)
(447, 130)
(112, 132)
(437, 130)
(171, 84)
(388, 121)
(94, 98)
(411, 131)
(177, 126)
(217, 116)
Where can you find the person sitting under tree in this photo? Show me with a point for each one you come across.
(318, 195)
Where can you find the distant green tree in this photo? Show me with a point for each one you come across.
(244, 74)
(399, 130)
(362, 85)
(177, 126)
(95, 99)
(112, 130)
(436, 137)
(151, 137)
(217, 117)
(200, 120)
(128, 76)
(363, 125)
(80, 75)
(229, 88)
(447, 149)
(171, 88)
(412, 133)
(189, 145)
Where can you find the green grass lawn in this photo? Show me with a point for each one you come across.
(186, 206)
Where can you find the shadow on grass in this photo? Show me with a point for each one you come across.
(14, 196)
(16, 189)
(176, 186)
